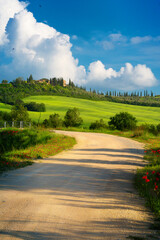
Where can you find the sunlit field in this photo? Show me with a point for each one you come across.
(90, 110)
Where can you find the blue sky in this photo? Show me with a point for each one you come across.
(103, 44)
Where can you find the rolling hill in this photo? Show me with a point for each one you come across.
(90, 110)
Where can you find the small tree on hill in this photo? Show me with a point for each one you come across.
(123, 121)
(72, 118)
(19, 113)
(98, 125)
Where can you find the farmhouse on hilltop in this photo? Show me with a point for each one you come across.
(43, 80)
(53, 81)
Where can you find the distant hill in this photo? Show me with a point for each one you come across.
(19, 89)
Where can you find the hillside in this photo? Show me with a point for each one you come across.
(90, 110)
(19, 89)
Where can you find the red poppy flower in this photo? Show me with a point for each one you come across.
(156, 187)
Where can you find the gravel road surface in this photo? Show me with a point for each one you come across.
(84, 193)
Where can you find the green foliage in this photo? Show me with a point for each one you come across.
(30, 79)
(72, 118)
(98, 124)
(19, 113)
(5, 116)
(4, 81)
(36, 107)
(20, 139)
(54, 121)
(123, 121)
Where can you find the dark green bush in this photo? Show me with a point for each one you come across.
(37, 107)
(54, 121)
(153, 129)
(158, 128)
(19, 113)
(123, 121)
(98, 125)
(72, 118)
(20, 139)
(5, 116)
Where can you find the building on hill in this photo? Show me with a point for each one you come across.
(43, 80)
(64, 83)
(58, 81)
(53, 81)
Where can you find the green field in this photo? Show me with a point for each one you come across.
(90, 110)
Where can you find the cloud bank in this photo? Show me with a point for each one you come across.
(127, 78)
(38, 49)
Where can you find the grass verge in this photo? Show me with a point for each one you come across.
(19, 148)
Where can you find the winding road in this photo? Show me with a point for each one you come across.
(83, 193)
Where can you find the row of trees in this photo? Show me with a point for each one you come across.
(71, 119)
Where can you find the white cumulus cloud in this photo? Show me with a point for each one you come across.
(36, 48)
(8, 9)
(127, 78)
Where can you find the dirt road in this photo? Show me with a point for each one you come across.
(83, 193)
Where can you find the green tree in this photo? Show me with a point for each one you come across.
(30, 79)
(123, 121)
(4, 81)
(19, 113)
(54, 121)
(98, 124)
(18, 81)
(72, 118)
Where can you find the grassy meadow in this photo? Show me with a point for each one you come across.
(91, 110)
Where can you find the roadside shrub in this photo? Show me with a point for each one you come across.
(54, 121)
(11, 139)
(123, 121)
(72, 118)
(158, 128)
(153, 129)
(98, 125)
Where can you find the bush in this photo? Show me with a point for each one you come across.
(5, 116)
(98, 125)
(153, 129)
(54, 121)
(123, 121)
(72, 118)
(37, 107)
(12, 139)
(158, 128)
(19, 113)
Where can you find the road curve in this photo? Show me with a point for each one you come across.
(83, 193)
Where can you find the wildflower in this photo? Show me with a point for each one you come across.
(153, 172)
(144, 177)
(147, 180)
(156, 187)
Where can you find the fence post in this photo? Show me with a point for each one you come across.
(5, 124)
(12, 124)
(30, 124)
(21, 124)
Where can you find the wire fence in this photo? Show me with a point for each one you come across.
(15, 124)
